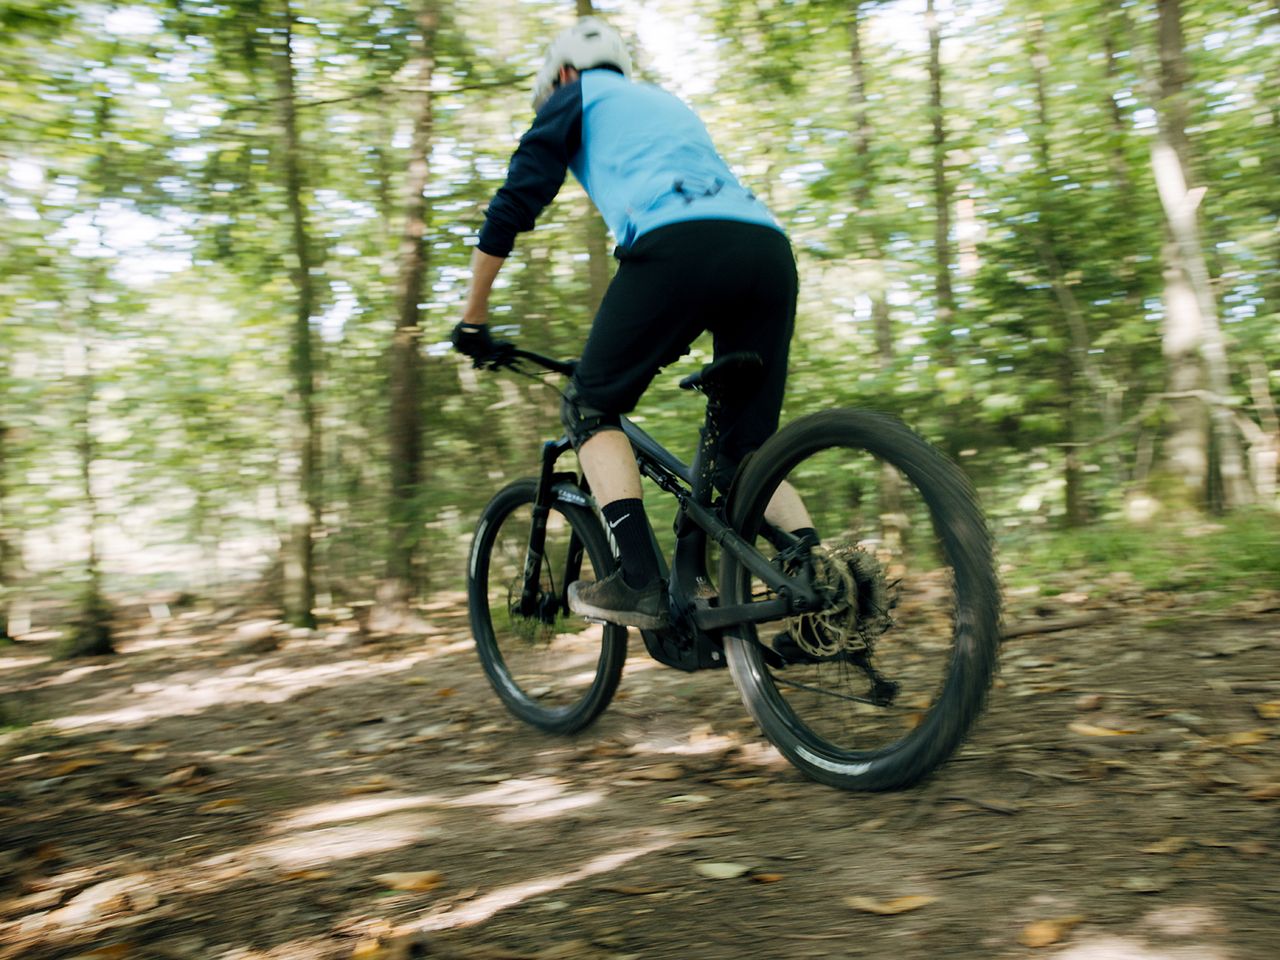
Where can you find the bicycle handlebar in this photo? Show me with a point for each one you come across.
(510, 354)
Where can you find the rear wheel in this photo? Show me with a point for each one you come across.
(880, 687)
(551, 668)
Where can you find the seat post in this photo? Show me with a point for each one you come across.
(725, 377)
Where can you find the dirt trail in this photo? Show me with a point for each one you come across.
(228, 790)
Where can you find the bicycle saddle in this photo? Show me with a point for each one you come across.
(725, 375)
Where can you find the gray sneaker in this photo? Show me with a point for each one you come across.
(613, 601)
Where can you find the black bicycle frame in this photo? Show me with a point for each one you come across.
(699, 518)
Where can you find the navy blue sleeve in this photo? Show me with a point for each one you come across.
(536, 172)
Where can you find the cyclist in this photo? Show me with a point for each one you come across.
(697, 251)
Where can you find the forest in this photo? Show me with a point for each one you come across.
(236, 238)
(241, 467)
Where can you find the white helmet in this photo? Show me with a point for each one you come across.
(588, 43)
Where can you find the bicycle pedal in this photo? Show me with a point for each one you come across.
(598, 620)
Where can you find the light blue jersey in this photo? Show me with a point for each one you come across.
(644, 158)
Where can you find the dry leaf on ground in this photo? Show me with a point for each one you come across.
(720, 871)
(661, 771)
(225, 805)
(372, 785)
(1246, 738)
(420, 881)
(71, 766)
(1044, 933)
(887, 908)
(1169, 845)
(1093, 730)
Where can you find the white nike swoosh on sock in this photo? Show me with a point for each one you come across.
(619, 520)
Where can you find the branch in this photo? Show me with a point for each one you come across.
(263, 104)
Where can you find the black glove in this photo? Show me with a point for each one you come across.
(473, 340)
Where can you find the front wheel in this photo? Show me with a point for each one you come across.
(552, 669)
(879, 687)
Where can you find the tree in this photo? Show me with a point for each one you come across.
(405, 377)
(304, 514)
(1194, 349)
(944, 296)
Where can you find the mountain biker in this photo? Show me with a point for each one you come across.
(697, 252)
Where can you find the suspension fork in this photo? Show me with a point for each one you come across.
(535, 554)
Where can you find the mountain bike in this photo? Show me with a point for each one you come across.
(865, 659)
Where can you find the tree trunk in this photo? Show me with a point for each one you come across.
(304, 518)
(406, 359)
(870, 236)
(91, 631)
(943, 294)
(6, 549)
(1272, 289)
(594, 231)
(1076, 363)
(1194, 351)
(870, 253)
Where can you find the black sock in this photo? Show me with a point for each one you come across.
(630, 528)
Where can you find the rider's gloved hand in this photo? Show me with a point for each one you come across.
(473, 340)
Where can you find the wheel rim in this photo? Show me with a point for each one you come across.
(901, 619)
(544, 658)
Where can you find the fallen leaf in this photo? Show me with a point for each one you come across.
(1269, 710)
(720, 871)
(1267, 791)
(225, 805)
(71, 766)
(1093, 730)
(307, 875)
(683, 799)
(983, 847)
(1141, 884)
(660, 771)
(446, 691)
(1089, 701)
(765, 877)
(117, 951)
(627, 890)
(421, 881)
(1169, 845)
(372, 785)
(1245, 738)
(1044, 933)
(187, 774)
(887, 908)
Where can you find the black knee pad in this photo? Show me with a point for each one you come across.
(583, 421)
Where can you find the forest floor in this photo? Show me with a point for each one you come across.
(225, 788)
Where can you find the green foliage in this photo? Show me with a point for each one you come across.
(1229, 558)
(141, 195)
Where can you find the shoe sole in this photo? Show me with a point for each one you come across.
(642, 621)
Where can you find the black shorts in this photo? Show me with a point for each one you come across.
(737, 280)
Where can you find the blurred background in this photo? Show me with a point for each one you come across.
(235, 235)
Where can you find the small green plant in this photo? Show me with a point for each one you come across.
(1231, 557)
